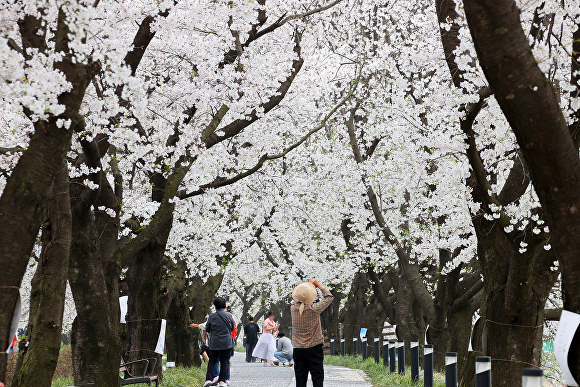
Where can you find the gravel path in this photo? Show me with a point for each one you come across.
(255, 374)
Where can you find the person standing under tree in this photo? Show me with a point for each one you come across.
(307, 332)
(251, 329)
(220, 326)
(266, 346)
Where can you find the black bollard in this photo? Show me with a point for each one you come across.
(401, 356)
(377, 350)
(392, 349)
(483, 371)
(385, 353)
(354, 346)
(342, 348)
(532, 377)
(450, 369)
(415, 360)
(331, 347)
(364, 348)
(428, 365)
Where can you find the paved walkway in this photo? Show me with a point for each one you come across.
(255, 374)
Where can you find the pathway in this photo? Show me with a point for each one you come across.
(255, 374)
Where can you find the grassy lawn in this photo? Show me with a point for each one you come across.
(380, 375)
(172, 377)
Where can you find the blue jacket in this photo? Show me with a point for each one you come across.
(220, 326)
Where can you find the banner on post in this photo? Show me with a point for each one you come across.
(15, 321)
(161, 340)
(363, 333)
(569, 323)
(123, 306)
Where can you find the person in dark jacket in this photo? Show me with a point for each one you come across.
(251, 329)
(220, 326)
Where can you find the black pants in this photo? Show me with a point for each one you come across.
(309, 360)
(223, 356)
(249, 349)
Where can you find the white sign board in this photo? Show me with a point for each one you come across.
(363, 332)
(568, 325)
(123, 306)
(161, 341)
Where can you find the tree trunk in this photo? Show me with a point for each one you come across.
(145, 310)
(21, 208)
(407, 312)
(330, 317)
(48, 295)
(181, 346)
(516, 288)
(532, 108)
(26, 189)
(94, 338)
(354, 311)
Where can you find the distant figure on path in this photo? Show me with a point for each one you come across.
(220, 326)
(284, 350)
(266, 346)
(307, 332)
(251, 329)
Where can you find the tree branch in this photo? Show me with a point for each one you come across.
(418, 287)
(16, 149)
(237, 126)
(222, 182)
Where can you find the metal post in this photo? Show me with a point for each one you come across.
(415, 360)
(392, 348)
(428, 365)
(331, 347)
(450, 369)
(532, 377)
(342, 349)
(385, 353)
(364, 348)
(401, 356)
(377, 351)
(354, 346)
(483, 371)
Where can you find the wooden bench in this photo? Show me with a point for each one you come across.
(147, 377)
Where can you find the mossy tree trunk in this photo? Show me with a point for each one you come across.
(38, 360)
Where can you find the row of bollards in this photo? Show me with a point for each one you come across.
(393, 349)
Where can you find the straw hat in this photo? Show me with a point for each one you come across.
(305, 293)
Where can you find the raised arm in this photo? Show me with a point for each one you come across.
(328, 297)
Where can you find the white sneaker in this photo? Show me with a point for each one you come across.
(207, 383)
(222, 384)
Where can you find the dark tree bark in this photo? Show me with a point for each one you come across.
(26, 190)
(145, 309)
(181, 346)
(38, 359)
(95, 336)
(330, 318)
(531, 107)
(516, 284)
(93, 276)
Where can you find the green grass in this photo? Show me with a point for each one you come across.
(183, 377)
(172, 377)
(380, 375)
(63, 382)
(240, 347)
